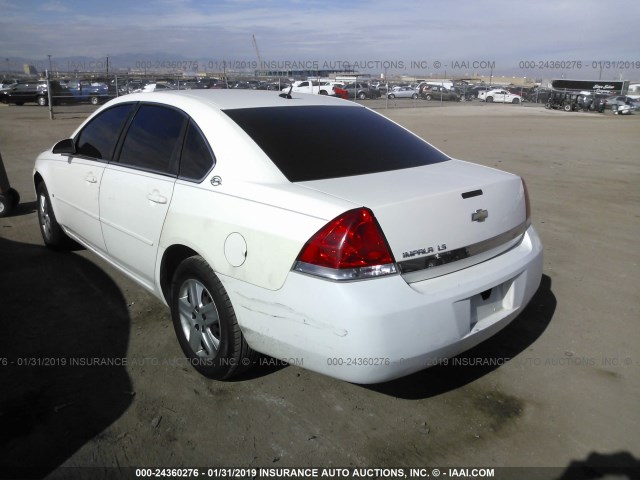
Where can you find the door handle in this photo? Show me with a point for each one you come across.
(155, 197)
(90, 178)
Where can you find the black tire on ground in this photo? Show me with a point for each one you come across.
(42, 101)
(547, 105)
(489, 100)
(52, 234)
(391, 96)
(515, 100)
(428, 97)
(94, 100)
(5, 205)
(14, 197)
(205, 322)
(362, 95)
(414, 96)
(567, 108)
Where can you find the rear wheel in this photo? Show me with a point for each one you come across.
(362, 95)
(567, 108)
(428, 97)
(489, 100)
(42, 101)
(515, 100)
(391, 96)
(205, 322)
(414, 96)
(94, 100)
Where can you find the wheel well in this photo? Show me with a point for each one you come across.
(37, 180)
(173, 256)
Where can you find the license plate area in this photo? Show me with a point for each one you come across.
(490, 302)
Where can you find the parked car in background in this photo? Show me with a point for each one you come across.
(403, 92)
(437, 92)
(8, 83)
(361, 91)
(377, 246)
(474, 91)
(88, 91)
(499, 95)
(621, 104)
(155, 87)
(36, 92)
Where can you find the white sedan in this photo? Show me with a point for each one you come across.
(366, 257)
(499, 95)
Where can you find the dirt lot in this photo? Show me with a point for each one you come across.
(557, 388)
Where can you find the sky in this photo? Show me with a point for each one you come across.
(431, 36)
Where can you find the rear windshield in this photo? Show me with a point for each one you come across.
(320, 142)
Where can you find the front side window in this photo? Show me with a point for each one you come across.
(153, 142)
(99, 137)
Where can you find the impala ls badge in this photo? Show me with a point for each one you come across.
(479, 215)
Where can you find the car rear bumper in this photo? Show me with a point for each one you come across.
(377, 330)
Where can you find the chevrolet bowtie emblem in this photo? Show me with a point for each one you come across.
(479, 215)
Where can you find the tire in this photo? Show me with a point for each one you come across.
(428, 97)
(515, 100)
(205, 322)
(323, 92)
(567, 108)
(5, 205)
(391, 96)
(414, 96)
(547, 105)
(14, 197)
(94, 100)
(42, 101)
(362, 96)
(489, 100)
(51, 231)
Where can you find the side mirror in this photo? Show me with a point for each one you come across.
(65, 147)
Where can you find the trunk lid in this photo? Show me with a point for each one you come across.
(439, 218)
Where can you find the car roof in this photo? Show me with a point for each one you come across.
(233, 99)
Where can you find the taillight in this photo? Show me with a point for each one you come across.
(349, 247)
(527, 202)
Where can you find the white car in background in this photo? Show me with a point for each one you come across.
(499, 95)
(303, 228)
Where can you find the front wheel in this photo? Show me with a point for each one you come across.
(94, 100)
(515, 100)
(52, 233)
(205, 322)
(567, 108)
(428, 97)
(42, 101)
(414, 96)
(362, 96)
(489, 100)
(391, 96)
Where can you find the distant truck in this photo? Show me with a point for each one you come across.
(86, 91)
(315, 87)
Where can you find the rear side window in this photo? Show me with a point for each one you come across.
(98, 139)
(196, 159)
(320, 142)
(153, 140)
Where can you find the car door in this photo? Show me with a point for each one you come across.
(136, 190)
(76, 180)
